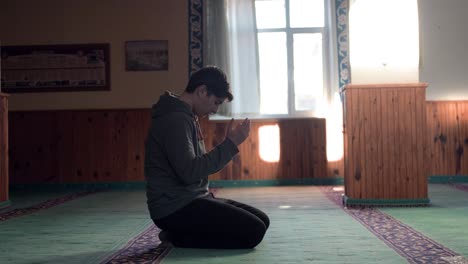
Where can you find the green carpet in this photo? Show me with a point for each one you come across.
(306, 227)
(85, 230)
(22, 199)
(444, 221)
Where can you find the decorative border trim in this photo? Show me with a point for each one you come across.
(42, 206)
(94, 186)
(279, 182)
(145, 248)
(213, 183)
(195, 35)
(406, 241)
(385, 202)
(344, 72)
(448, 178)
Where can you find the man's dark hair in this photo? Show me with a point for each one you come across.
(214, 79)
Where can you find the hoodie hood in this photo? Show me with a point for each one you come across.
(169, 103)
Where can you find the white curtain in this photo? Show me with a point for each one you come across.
(230, 42)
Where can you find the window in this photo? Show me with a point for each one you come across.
(292, 55)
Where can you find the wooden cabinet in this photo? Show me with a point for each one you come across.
(4, 199)
(384, 134)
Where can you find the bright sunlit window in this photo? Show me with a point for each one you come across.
(292, 52)
(269, 143)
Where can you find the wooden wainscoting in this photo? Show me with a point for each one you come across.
(385, 128)
(447, 123)
(77, 146)
(302, 150)
(108, 146)
(4, 194)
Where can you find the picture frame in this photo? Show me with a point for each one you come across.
(55, 68)
(147, 55)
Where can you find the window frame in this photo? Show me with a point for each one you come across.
(326, 57)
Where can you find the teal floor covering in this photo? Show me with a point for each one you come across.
(24, 199)
(83, 230)
(445, 221)
(306, 227)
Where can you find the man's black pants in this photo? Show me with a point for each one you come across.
(211, 222)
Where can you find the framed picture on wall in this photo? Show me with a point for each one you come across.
(55, 68)
(147, 55)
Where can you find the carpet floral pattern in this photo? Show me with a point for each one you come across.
(409, 243)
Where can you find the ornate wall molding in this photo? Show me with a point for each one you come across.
(195, 35)
(342, 7)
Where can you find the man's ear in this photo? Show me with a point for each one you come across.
(201, 90)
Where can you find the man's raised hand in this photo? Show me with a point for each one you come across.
(239, 133)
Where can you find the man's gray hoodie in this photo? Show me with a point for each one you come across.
(176, 163)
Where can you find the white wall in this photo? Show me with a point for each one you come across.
(444, 44)
(36, 22)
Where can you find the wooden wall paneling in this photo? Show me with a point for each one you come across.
(101, 147)
(458, 139)
(115, 146)
(446, 124)
(411, 187)
(83, 133)
(372, 145)
(387, 163)
(335, 169)
(346, 137)
(18, 152)
(462, 108)
(320, 153)
(400, 142)
(372, 142)
(452, 138)
(384, 142)
(358, 154)
(286, 168)
(434, 127)
(301, 153)
(299, 146)
(361, 148)
(353, 169)
(65, 146)
(365, 144)
(377, 140)
(108, 145)
(421, 142)
(344, 160)
(441, 138)
(411, 141)
(247, 165)
(253, 166)
(416, 169)
(137, 123)
(4, 148)
(97, 132)
(397, 155)
(392, 151)
(34, 159)
(405, 143)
